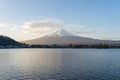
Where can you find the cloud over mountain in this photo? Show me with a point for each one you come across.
(43, 26)
(46, 25)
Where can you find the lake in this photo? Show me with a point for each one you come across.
(59, 64)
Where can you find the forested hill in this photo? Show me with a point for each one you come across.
(6, 42)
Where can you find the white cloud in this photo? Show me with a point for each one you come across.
(13, 28)
(43, 26)
(46, 25)
(3, 24)
(6, 25)
(87, 32)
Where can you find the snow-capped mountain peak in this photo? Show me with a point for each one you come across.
(61, 33)
(63, 37)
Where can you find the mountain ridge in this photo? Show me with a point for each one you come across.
(63, 37)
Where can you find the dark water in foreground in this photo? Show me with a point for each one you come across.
(59, 64)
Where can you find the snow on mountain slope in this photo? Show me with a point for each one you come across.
(61, 33)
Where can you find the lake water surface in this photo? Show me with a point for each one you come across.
(59, 64)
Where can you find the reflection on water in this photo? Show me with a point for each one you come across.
(59, 64)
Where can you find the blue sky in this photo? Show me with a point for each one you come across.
(99, 18)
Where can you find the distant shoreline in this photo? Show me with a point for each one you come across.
(59, 48)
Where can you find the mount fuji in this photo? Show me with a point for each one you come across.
(64, 37)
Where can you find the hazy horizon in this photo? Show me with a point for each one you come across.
(30, 19)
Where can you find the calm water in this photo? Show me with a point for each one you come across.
(59, 64)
